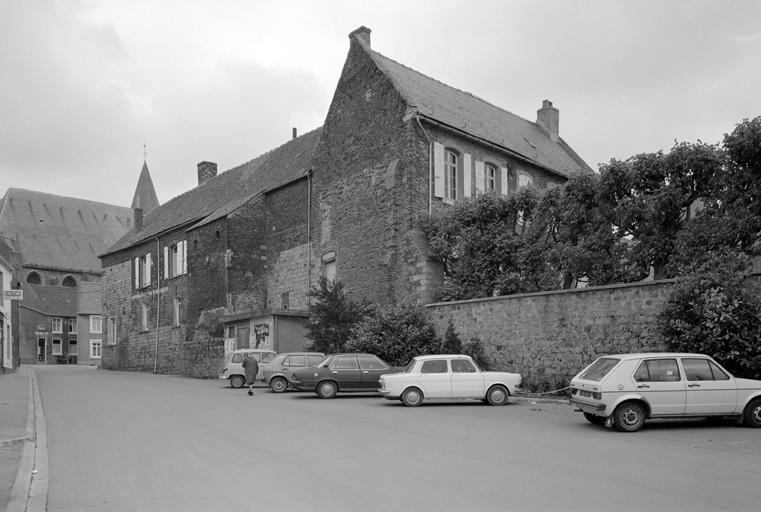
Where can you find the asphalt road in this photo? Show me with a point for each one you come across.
(122, 441)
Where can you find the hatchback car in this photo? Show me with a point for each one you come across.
(448, 377)
(625, 390)
(233, 370)
(342, 373)
(278, 373)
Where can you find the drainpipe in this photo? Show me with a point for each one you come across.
(430, 165)
(309, 235)
(158, 303)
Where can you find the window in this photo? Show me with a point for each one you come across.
(450, 174)
(329, 266)
(657, 370)
(112, 330)
(176, 305)
(702, 369)
(175, 259)
(370, 363)
(73, 348)
(314, 360)
(600, 369)
(95, 349)
(492, 178)
(462, 366)
(143, 271)
(69, 281)
(33, 278)
(57, 324)
(295, 361)
(344, 363)
(72, 325)
(96, 324)
(434, 366)
(144, 316)
(57, 347)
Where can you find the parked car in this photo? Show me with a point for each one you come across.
(626, 389)
(233, 370)
(342, 373)
(448, 377)
(278, 373)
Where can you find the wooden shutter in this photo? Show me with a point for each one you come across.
(184, 256)
(503, 179)
(148, 268)
(137, 273)
(438, 169)
(166, 263)
(467, 178)
(480, 179)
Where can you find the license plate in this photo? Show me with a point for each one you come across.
(585, 393)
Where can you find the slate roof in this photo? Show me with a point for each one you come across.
(51, 300)
(88, 298)
(228, 191)
(466, 112)
(145, 194)
(59, 232)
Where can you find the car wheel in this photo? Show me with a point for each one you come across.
(497, 395)
(752, 414)
(412, 397)
(278, 384)
(629, 417)
(327, 389)
(237, 381)
(594, 419)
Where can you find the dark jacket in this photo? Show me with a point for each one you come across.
(251, 367)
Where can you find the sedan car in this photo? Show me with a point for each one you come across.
(342, 373)
(448, 377)
(625, 390)
(277, 374)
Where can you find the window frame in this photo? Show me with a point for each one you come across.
(111, 326)
(96, 348)
(452, 172)
(71, 324)
(59, 343)
(96, 324)
(493, 180)
(57, 325)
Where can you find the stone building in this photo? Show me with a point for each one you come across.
(239, 253)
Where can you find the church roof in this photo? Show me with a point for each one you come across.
(59, 232)
(221, 195)
(468, 113)
(145, 195)
(51, 300)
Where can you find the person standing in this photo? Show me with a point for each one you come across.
(251, 368)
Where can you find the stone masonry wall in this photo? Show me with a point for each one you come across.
(549, 337)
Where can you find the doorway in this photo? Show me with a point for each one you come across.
(42, 350)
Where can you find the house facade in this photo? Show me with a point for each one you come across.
(8, 311)
(235, 257)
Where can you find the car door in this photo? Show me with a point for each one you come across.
(709, 389)
(659, 381)
(345, 370)
(371, 368)
(467, 381)
(435, 379)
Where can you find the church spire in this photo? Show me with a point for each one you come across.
(145, 195)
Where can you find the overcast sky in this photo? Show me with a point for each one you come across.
(84, 84)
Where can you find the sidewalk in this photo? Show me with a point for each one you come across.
(23, 443)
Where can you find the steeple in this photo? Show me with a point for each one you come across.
(145, 194)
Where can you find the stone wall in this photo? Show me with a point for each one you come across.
(548, 337)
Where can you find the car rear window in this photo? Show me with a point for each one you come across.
(599, 368)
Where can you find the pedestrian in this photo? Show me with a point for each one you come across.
(251, 367)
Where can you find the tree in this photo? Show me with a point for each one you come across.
(332, 315)
(646, 198)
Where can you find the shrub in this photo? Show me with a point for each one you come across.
(332, 315)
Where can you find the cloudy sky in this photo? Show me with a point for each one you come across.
(85, 84)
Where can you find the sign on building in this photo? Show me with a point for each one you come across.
(13, 294)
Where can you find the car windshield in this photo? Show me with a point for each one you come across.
(409, 366)
(599, 368)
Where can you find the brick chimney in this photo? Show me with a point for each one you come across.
(362, 33)
(295, 133)
(548, 117)
(206, 171)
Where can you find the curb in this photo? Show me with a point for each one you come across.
(30, 490)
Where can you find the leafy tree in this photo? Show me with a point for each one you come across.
(646, 198)
(396, 334)
(451, 343)
(475, 349)
(712, 311)
(332, 315)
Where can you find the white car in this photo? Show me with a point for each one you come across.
(448, 377)
(624, 390)
(233, 370)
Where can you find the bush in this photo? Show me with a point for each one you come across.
(396, 334)
(712, 311)
(332, 315)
